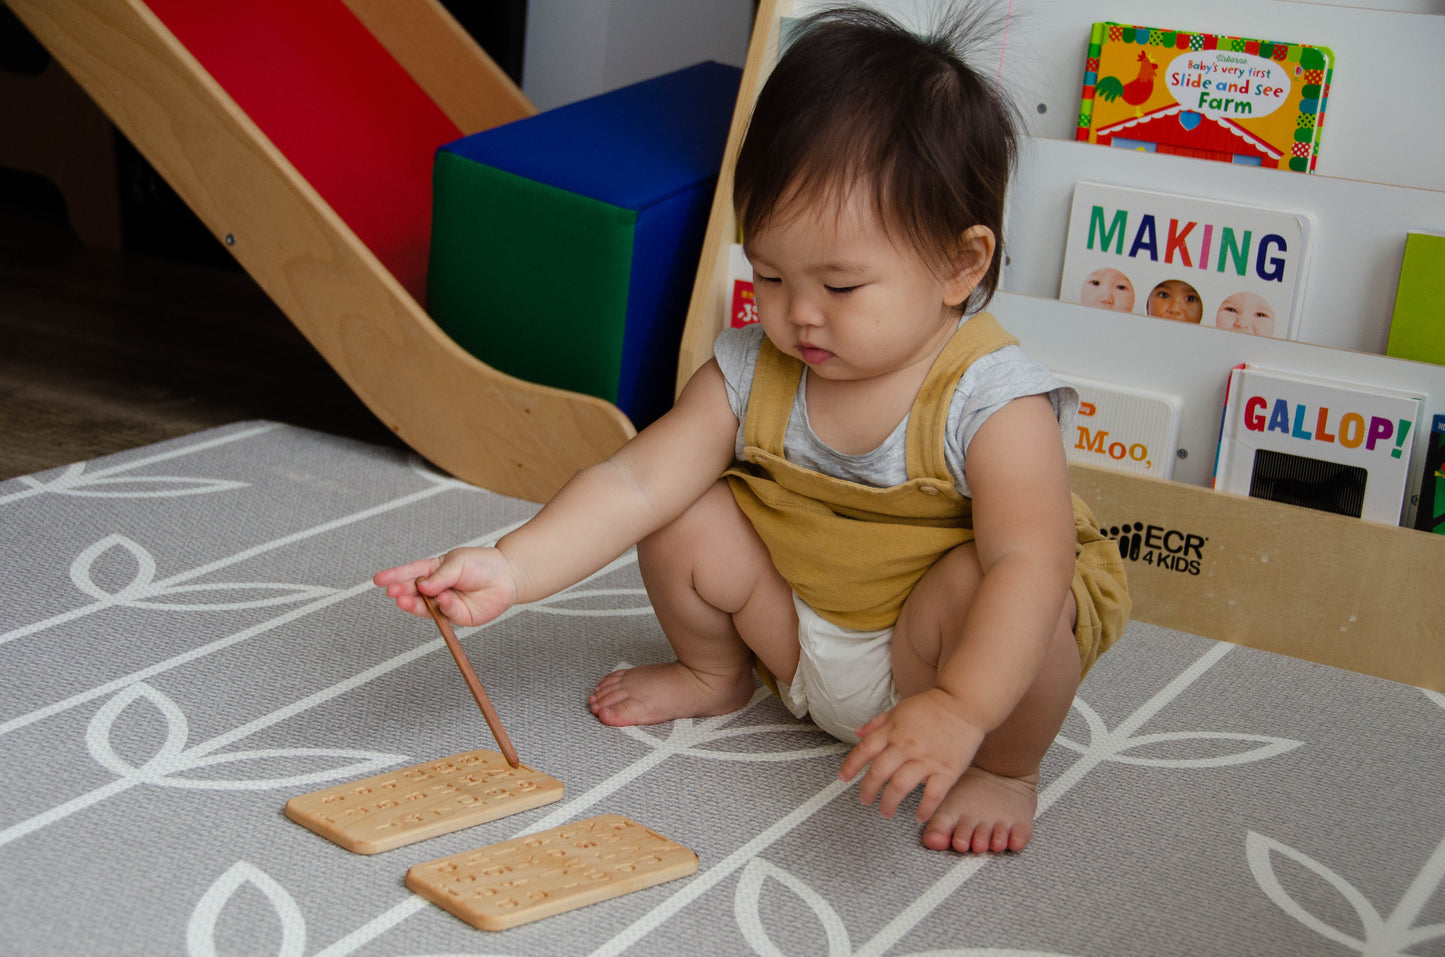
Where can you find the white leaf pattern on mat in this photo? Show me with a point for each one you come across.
(562, 602)
(201, 928)
(797, 754)
(749, 895)
(81, 478)
(750, 921)
(143, 591)
(172, 758)
(1106, 745)
(74, 480)
(686, 736)
(1395, 935)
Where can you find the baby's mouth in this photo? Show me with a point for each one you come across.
(812, 355)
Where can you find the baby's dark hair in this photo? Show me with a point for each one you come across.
(859, 100)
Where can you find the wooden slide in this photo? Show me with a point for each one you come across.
(302, 135)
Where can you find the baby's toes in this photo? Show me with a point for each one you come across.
(939, 832)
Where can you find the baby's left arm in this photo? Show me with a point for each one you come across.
(1023, 521)
(1025, 540)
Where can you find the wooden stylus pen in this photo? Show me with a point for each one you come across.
(470, 675)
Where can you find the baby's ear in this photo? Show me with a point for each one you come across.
(969, 264)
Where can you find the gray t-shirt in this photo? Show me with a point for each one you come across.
(989, 384)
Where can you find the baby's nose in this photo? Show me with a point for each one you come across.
(801, 312)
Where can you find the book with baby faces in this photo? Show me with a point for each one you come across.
(1208, 95)
(1335, 446)
(1199, 261)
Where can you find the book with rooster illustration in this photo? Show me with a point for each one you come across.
(1232, 99)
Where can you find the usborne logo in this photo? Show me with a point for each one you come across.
(1156, 545)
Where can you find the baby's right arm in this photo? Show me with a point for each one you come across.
(599, 514)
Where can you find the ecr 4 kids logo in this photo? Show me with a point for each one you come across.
(1164, 548)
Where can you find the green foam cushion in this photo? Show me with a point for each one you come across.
(564, 246)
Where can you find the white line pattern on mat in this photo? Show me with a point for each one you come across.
(156, 587)
(757, 881)
(176, 758)
(78, 479)
(1098, 751)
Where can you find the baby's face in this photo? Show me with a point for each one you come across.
(834, 289)
(1175, 300)
(1108, 289)
(1246, 312)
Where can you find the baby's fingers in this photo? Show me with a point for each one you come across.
(861, 755)
(401, 584)
(900, 785)
(405, 575)
(935, 789)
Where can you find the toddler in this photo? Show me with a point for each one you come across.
(864, 494)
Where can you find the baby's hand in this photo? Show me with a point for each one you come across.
(472, 586)
(921, 740)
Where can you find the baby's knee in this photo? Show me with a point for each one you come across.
(945, 590)
(710, 539)
(694, 524)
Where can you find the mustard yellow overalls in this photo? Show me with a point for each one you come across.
(854, 552)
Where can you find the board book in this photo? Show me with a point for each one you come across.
(1430, 515)
(1417, 325)
(742, 308)
(1330, 445)
(1216, 264)
(1213, 96)
(1122, 428)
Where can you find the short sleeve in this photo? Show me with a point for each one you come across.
(994, 381)
(736, 351)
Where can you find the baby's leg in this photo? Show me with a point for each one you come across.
(719, 600)
(992, 806)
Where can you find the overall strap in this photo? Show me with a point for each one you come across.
(770, 400)
(928, 419)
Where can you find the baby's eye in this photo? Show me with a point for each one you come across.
(841, 290)
(768, 280)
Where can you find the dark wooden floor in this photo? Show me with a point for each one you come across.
(101, 351)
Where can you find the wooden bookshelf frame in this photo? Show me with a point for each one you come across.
(1330, 589)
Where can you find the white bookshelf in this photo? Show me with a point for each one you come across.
(1328, 588)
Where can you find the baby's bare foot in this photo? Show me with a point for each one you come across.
(985, 812)
(653, 693)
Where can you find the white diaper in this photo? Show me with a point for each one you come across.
(844, 677)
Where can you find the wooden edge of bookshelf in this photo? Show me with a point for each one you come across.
(1331, 589)
(709, 287)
